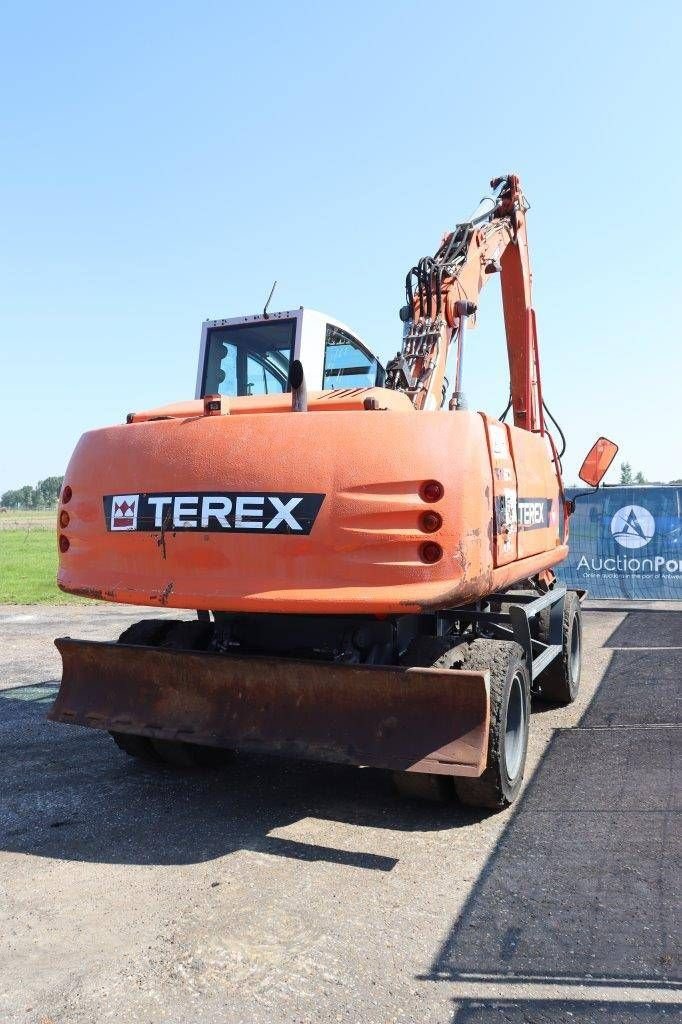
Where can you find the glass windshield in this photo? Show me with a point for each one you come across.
(249, 359)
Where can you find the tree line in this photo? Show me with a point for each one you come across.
(43, 495)
(626, 475)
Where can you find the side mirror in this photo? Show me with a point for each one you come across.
(597, 461)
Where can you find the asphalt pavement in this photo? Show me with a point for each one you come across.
(274, 891)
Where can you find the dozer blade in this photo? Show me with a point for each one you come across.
(411, 719)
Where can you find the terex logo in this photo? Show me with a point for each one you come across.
(212, 513)
(633, 526)
(532, 513)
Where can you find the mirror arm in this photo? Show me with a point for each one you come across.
(581, 494)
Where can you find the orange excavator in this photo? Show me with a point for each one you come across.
(369, 561)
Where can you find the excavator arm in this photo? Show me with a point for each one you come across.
(442, 293)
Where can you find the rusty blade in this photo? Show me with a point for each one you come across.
(414, 719)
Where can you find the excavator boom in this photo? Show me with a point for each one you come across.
(442, 293)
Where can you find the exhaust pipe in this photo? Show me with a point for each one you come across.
(299, 392)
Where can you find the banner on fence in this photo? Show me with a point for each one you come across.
(626, 542)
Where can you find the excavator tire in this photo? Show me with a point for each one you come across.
(136, 746)
(427, 652)
(560, 682)
(180, 635)
(499, 784)
(191, 755)
(187, 636)
(147, 632)
(501, 781)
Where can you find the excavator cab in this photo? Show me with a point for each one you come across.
(251, 355)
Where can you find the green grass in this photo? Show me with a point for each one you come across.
(28, 568)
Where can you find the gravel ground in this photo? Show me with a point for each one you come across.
(278, 892)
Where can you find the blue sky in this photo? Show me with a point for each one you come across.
(163, 163)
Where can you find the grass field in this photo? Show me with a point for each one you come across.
(28, 559)
(41, 519)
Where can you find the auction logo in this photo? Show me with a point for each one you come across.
(633, 526)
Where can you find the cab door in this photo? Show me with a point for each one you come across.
(538, 501)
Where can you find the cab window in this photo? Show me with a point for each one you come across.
(347, 363)
(249, 359)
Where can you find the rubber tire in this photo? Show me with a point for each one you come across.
(186, 635)
(191, 755)
(140, 747)
(430, 652)
(193, 635)
(147, 632)
(494, 789)
(560, 682)
(180, 635)
(426, 652)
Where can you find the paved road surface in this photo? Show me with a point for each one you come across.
(275, 892)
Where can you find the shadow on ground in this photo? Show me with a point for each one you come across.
(70, 793)
(562, 1011)
(648, 628)
(583, 887)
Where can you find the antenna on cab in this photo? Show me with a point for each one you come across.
(266, 315)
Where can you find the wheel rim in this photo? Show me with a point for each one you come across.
(575, 651)
(515, 728)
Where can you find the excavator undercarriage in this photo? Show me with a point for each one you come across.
(402, 693)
